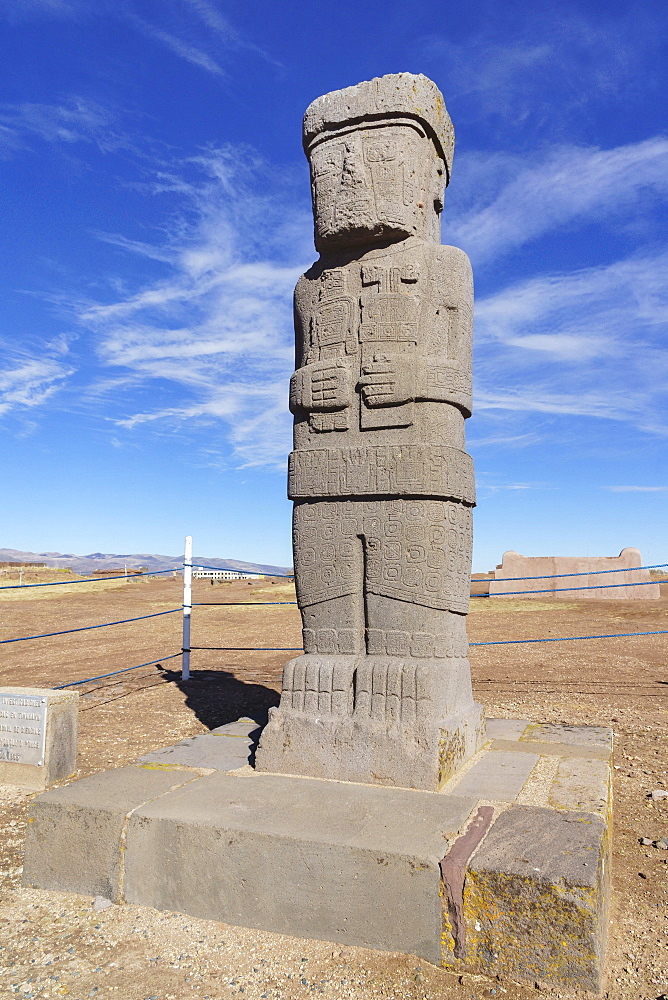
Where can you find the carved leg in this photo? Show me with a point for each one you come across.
(335, 626)
(400, 628)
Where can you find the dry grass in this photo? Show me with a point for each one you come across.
(31, 584)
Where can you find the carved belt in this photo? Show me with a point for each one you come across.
(432, 470)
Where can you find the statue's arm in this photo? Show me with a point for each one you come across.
(442, 370)
(316, 385)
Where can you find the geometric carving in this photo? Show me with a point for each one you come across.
(412, 550)
(430, 470)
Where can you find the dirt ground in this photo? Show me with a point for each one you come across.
(53, 944)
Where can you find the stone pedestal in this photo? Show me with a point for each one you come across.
(38, 736)
(505, 871)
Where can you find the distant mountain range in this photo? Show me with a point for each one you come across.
(113, 560)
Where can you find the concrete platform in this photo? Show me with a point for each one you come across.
(504, 871)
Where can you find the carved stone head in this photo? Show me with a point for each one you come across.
(380, 156)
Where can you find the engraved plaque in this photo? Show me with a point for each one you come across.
(22, 729)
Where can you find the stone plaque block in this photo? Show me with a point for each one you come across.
(38, 736)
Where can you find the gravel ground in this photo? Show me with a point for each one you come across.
(53, 944)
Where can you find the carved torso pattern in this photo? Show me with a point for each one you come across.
(384, 381)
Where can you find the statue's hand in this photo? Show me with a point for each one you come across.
(386, 381)
(322, 385)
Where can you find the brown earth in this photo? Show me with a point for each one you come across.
(53, 944)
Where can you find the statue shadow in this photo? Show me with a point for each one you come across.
(218, 697)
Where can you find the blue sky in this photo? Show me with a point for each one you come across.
(157, 214)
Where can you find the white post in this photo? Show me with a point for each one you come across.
(187, 606)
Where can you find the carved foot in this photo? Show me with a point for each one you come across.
(319, 685)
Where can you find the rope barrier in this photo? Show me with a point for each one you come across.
(561, 590)
(568, 638)
(90, 579)
(237, 604)
(591, 572)
(496, 642)
(113, 673)
(188, 604)
(290, 576)
(86, 628)
(252, 649)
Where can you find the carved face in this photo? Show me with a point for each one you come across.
(375, 183)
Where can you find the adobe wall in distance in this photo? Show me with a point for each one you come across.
(554, 568)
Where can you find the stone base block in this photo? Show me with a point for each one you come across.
(399, 722)
(76, 835)
(534, 899)
(506, 870)
(330, 860)
(43, 717)
(362, 750)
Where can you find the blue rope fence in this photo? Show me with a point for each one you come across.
(593, 572)
(496, 642)
(291, 649)
(567, 638)
(90, 579)
(114, 673)
(86, 628)
(560, 590)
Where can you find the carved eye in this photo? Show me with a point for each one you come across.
(380, 151)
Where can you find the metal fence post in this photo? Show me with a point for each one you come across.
(187, 607)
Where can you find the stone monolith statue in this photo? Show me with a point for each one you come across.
(382, 486)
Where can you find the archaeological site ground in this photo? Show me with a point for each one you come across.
(56, 944)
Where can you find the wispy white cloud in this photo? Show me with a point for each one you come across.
(74, 120)
(29, 382)
(489, 489)
(212, 18)
(34, 8)
(180, 46)
(590, 343)
(135, 246)
(513, 200)
(544, 64)
(193, 30)
(507, 440)
(489, 74)
(636, 489)
(213, 337)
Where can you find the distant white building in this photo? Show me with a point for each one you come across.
(224, 574)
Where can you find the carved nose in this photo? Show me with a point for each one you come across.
(353, 170)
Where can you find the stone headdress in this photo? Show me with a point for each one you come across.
(395, 96)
